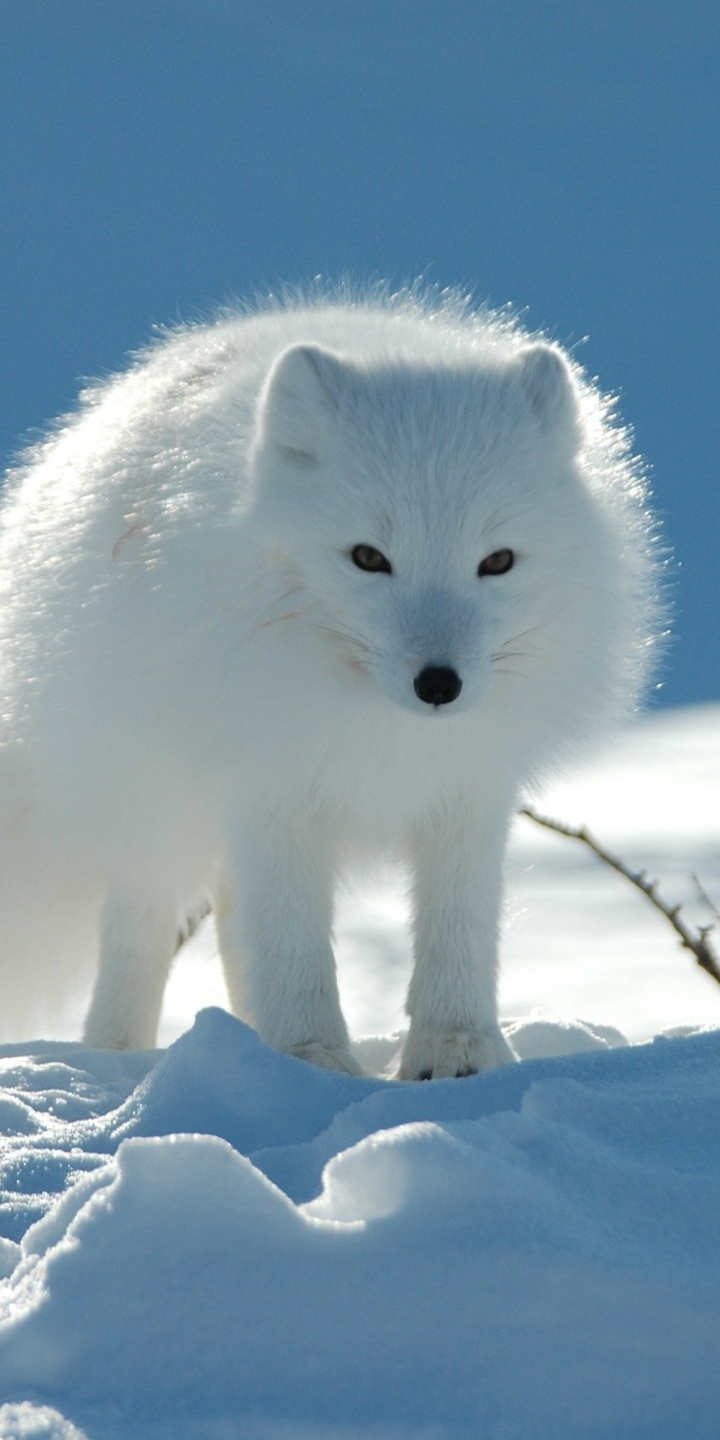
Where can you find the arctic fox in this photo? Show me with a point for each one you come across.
(334, 579)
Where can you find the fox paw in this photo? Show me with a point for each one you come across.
(327, 1057)
(453, 1053)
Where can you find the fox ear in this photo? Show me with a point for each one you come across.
(548, 384)
(296, 405)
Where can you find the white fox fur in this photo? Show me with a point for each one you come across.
(202, 695)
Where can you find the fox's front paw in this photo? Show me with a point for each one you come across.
(452, 1053)
(327, 1058)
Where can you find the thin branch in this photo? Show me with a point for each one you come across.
(712, 907)
(696, 942)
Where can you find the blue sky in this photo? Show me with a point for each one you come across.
(160, 156)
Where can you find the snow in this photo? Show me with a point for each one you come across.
(219, 1242)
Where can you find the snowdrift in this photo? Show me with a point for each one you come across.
(223, 1243)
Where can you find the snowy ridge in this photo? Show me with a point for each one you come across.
(66, 1108)
(531, 1252)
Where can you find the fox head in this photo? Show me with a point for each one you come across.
(437, 516)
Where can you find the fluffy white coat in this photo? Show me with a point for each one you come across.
(203, 696)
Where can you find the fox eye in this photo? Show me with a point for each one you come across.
(366, 557)
(497, 564)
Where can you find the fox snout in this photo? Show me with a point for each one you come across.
(437, 685)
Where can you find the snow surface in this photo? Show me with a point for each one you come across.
(220, 1242)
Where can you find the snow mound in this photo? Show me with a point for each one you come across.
(529, 1253)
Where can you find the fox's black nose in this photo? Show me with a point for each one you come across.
(437, 685)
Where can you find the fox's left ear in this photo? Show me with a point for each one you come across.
(297, 403)
(548, 384)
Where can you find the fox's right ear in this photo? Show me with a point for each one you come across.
(548, 385)
(296, 404)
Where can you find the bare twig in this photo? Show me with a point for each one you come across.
(696, 942)
(712, 907)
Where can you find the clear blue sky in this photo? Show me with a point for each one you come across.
(160, 156)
